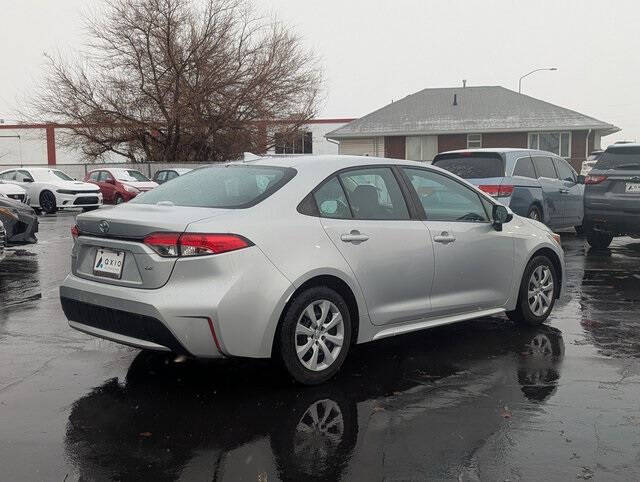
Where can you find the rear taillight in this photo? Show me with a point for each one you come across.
(594, 179)
(75, 231)
(194, 244)
(497, 190)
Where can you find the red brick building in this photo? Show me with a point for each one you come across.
(437, 120)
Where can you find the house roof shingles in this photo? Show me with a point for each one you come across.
(479, 109)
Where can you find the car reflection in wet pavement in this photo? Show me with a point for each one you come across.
(481, 400)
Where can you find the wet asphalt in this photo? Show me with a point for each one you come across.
(483, 400)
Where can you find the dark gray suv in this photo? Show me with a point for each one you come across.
(612, 196)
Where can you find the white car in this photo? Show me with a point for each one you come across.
(51, 189)
(14, 192)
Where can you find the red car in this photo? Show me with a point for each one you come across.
(119, 185)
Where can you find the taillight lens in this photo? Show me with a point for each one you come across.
(594, 179)
(75, 231)
(194, 244)
(497, 190)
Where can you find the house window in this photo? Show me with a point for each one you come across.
(474, 141)
(557, 142)
(298, 143)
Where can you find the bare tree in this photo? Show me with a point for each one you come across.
(181, 80)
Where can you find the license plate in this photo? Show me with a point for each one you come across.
(632, 187)
(108, 263)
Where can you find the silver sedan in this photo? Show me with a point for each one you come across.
(301, 258)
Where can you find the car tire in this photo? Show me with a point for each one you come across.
(534, 213)
(118, 199)
(534, 310)
(48, 202)
(314, 338)
(579, 230)
(599, 240)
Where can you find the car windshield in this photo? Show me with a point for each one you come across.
(227, 186)
(472, 165)
(61, 175)
(623, 157)
(130, 175)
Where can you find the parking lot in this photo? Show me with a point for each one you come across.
(482, 400)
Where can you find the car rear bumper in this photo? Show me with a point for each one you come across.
(209, 308)
(613, 221)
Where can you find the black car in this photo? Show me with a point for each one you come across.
(20, 221)
(612, 195)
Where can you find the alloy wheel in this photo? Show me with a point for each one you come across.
(47, 201)
(319, 335)
(540, 290)
(533, 214)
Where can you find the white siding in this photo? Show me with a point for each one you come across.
(367, 146)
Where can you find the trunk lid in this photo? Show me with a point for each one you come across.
(620, 190)
(122, 230)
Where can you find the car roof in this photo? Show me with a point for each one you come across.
(326, 162)
(623, 145)
(501, 150)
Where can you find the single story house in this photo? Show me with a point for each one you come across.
(443, 119)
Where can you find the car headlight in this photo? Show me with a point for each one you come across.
(12, 213)
(131, 189)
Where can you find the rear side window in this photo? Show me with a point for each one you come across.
(161, 175)
(623, 157)
(332, 201)
(232, 186)
(374, 193)
(544, 167)
(472, 165)
(524, 168)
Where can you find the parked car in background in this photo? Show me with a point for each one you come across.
(299, 258)
(13, 192)
(612, 195)
(3, 241)
(535, 184)
(51, 189)
(120, 185)
(20, 221)
(590, 162)
(165, 175)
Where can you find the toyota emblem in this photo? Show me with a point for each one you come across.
(103, 226)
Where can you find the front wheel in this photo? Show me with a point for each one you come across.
(315, 335)
(599, 240)
(48, 202)
(534, 213)
(537, 292)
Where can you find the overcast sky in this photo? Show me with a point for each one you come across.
(375, 51)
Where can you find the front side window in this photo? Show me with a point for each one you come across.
(555, 142)
(544, 167)
(331, 200)
(94, 176)
(474, 141)
(565, 172)
(23, 176)
(444, 199)
(374, 193)
(297, 143)
(105, 176)
(524, 168)
(230, 186)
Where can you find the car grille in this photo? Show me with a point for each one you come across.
(86, 200)
(17, 197)
(136, 326)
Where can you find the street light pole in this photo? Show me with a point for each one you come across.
(529, 73)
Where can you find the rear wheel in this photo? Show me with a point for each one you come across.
(534, 213)
(48, 202)
(579, 230)
(315, 335)
(537, 292)
(599, 240)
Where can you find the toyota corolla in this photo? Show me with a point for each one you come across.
(300, 258)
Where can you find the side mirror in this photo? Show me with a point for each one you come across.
(500, 215)
(27, 179)
(580, 179)
(110, 181)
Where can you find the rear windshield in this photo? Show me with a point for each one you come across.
(623, 157)
(228, 186)
(472, 165)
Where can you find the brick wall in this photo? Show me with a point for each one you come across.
(451, 142)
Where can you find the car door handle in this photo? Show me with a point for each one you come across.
(354, 237)
(444, 238)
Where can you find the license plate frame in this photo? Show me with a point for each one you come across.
(632, 187)
(108, 263)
